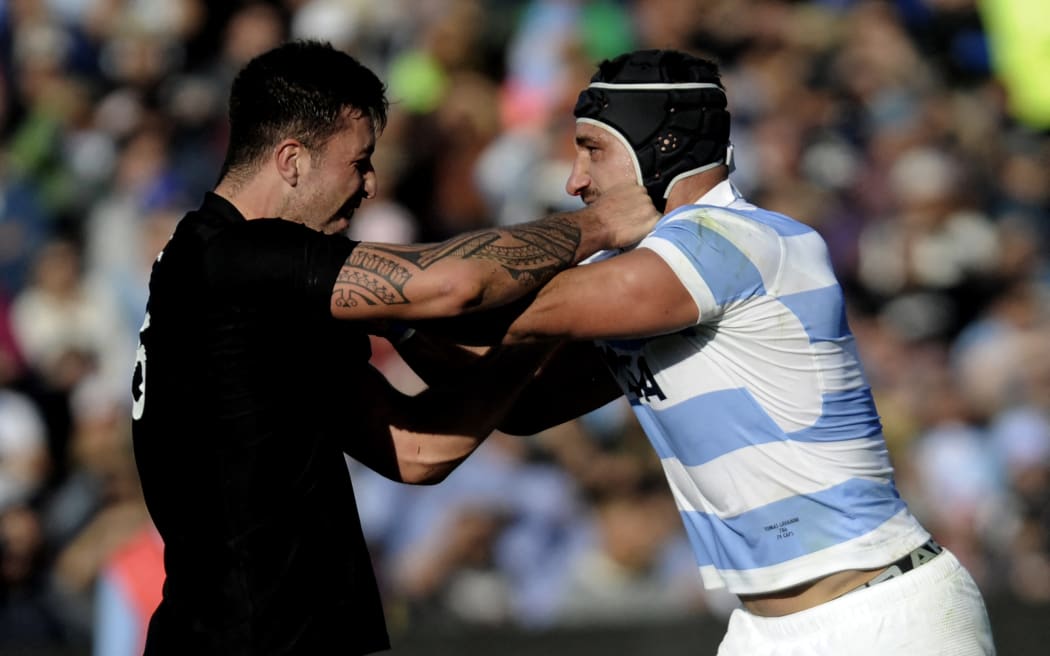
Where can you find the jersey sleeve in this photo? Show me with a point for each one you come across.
(719, 258)
(277, 262)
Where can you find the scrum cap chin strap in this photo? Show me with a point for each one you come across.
(672, 129)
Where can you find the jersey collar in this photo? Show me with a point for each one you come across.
(217, 205)
(723, 194)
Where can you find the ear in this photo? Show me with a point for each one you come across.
(286, 156)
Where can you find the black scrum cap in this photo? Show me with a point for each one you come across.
(669, 108)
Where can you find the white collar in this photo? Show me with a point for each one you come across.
(723, 194)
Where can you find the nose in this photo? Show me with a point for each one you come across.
(371, 185)
(578, 179)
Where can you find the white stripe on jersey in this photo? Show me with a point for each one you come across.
(765, 473)
(868, 551)
(761, 413)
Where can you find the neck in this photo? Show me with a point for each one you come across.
(257, 197)
(687, 190)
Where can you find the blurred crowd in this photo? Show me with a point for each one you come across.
(885, 124)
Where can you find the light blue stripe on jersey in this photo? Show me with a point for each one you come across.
(749, 540)
(728, 272)
(848, 415)
(686, 431)
(731, 275)
(821, 311)
(767, 428)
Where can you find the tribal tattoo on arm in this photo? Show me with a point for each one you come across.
(530, 254)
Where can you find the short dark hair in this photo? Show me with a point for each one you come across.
(299, 89)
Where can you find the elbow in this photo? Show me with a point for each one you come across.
(522, 428)
(530, 328)
(461, 296)
(526, 328)
(468, 295)
(420, 474)
(542, 321)
(425, 468)
(533, 418)
(517, 336)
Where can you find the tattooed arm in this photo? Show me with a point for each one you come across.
(485, 268)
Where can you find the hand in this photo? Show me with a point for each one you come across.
(626, 213)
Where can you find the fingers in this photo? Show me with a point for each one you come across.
(628, 211)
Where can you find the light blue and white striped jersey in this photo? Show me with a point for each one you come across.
(761, 413)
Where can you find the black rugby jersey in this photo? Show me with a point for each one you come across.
(243, 397)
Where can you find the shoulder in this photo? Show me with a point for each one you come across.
(275, 255)
(751, 221)
(260, 233)
(717, 234)
(750, 233)
(253, 245)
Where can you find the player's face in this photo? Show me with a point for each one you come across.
(336, 178)
(602, 161)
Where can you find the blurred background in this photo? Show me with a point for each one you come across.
(913, 134)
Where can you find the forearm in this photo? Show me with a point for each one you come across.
(484, 328)
(441, 429)
(483, 269)
(478, 270)
(573, 382)
(420, 439)
(435, 359)
(433, 348)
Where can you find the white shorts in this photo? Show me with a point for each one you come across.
(935, 609)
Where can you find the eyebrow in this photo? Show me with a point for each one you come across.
(586, 140)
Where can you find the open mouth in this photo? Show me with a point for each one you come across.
(340, 220)
(347, 210)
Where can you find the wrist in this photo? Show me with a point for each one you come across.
(595, 234)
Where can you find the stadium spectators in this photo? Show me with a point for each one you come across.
(883, 120)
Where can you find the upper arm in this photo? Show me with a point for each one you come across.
(636, 294)
(381, 281)
(475, 270)
(274, 263)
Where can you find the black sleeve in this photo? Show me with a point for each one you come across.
(276, 261)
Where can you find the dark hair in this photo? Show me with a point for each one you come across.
(299, 89)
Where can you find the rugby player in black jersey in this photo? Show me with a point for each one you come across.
(252, 376)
